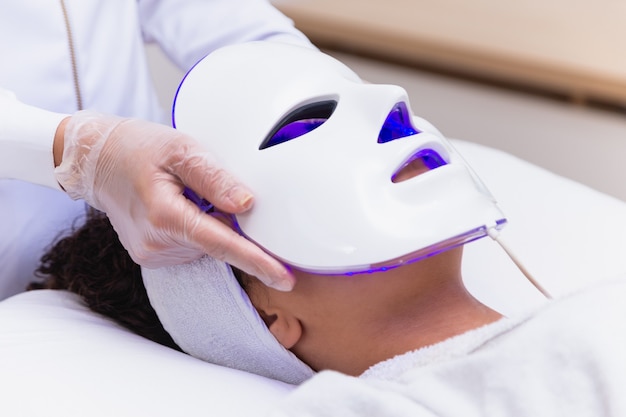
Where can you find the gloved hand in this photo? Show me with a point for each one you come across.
(135, 171)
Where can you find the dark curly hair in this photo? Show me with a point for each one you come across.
(92, 263)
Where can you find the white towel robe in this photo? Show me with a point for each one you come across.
(567, 359)
(114, 77)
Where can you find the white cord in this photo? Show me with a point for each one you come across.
(493, 233)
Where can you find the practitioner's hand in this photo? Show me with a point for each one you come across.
(135, 171)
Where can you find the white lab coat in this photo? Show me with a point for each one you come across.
(114, 77)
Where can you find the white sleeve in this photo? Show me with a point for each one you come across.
(187, 30)
(26, 139)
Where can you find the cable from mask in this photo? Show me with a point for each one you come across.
(495, 235)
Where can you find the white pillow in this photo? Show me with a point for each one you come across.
(566, 234)
(57, 358)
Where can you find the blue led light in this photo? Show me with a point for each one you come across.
(397, 125)
(422, 161)
(299, 122)
(424, 253)
(432, 159)
(294, 130)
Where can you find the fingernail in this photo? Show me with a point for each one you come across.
(284, 285)
(282, 280)
(242, 198)
(246, 201)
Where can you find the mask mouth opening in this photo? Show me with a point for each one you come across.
(419, 163)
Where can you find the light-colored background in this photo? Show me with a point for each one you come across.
(582, 143)
(574, 47)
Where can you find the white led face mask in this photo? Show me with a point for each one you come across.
(331, 160)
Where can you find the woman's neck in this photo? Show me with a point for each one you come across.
(438, 315)
(404, 314)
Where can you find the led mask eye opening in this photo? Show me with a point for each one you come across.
(300, 121)
(397, 125)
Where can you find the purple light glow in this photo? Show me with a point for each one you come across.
(397, 125)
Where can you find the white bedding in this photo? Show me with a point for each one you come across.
(59, 359)
(565, 359)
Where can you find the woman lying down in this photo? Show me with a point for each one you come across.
(371, 208)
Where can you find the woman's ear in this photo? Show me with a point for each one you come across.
(285, 327)
(280, 321)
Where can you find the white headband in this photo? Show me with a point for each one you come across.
(210, 317)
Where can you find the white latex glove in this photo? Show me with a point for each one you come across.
(135, 171)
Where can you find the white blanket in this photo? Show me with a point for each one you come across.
(566, 359)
